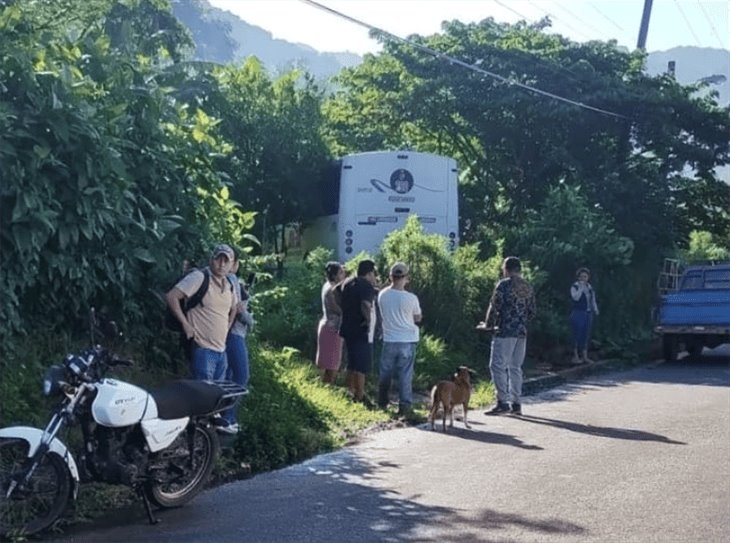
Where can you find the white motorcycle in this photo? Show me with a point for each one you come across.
(162, 443)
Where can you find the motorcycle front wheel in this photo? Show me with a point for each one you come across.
(186, 476)
(41, 501)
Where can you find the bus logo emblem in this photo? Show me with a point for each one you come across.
(401, 181)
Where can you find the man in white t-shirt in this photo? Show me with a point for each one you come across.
(400, 313)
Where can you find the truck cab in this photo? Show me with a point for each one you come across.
(697, 314)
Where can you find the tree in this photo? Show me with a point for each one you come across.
(102, 169)
(514, 146)
(278, 154)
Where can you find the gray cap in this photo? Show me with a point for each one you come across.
(399, 269)
(223, 249)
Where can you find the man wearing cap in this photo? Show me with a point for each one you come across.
(207, 324)
(400, 313)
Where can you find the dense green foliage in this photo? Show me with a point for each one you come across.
(559, 186)
(120, 157)
(106, 179)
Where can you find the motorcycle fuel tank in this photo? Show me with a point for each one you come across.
(118, 404)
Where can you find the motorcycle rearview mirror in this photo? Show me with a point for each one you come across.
(92, 324)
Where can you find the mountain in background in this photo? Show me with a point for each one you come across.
(693, 64)
(220, 36)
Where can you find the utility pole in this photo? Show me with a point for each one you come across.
(644, 29)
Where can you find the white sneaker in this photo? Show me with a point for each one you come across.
(228, 429)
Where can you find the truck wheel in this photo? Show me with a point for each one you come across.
(670, 348)
(694, 349)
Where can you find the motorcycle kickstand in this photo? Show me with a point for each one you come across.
(147, 506)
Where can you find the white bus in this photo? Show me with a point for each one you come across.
(378, 191)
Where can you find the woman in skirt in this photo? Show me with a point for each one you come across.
(329, 342)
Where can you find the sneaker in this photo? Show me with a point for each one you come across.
(499, 409)
(516, 409)
(229, 429)
(218, 421)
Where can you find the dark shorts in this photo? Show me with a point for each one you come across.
(359, 354)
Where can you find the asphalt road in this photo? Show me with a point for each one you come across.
(641, 456)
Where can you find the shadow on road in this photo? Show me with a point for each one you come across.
(483, 437)
(329, 499)
(602, 431)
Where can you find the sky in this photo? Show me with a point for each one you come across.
(704, 23)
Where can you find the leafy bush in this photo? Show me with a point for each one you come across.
(107, 181)
(566, 233)
(703, 246)
(287, 310)
(434, 362)
(453, 288)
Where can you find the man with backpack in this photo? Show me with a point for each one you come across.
(204, 304)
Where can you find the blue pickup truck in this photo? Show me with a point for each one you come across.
(696, 315)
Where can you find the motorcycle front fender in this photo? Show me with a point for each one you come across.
(33, 437)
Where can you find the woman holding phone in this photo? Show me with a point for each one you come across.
(584, 309)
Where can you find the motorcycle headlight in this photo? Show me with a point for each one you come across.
(76, 365)
(52, 380)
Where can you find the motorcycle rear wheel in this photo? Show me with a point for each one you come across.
(41, 502)
(179, 492)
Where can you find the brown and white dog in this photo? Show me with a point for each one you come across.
(451, 393)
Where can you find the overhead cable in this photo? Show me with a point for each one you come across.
(565, 24)
(456, 61)
(602, 14)
(712, 26)
(505, 6)
(681, 11)
(580, 20)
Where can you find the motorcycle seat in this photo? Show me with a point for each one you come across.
(186, 398)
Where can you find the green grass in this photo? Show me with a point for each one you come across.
(290, 416)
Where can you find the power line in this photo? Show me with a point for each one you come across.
(582, 21)
(505, 6)
(558, 66)
(602, 14)
(453, 60)
(681, 11)
(554, 18)
(712, 26)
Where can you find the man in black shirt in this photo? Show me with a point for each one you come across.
(357, 300)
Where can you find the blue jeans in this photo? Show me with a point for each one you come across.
(400, 358)
(505, 365)
(237, 355)
(580, 323)
(208, 365)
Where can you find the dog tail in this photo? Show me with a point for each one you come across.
(434, 395)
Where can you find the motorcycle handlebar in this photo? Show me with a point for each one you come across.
(111, 360)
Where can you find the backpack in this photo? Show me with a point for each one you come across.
(171, 322)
